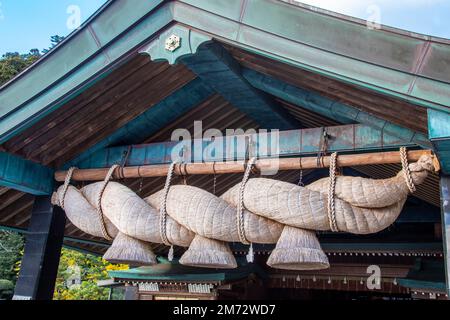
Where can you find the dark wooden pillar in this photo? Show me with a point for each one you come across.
(43, 244)
(445, 207)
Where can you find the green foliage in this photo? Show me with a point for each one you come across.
(91, 269)
(12, 63)
(6, 289)
(11, 249)
(6, 285)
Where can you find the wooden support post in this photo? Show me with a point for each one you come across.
(445, 207)
(439, 133)
(42, 251)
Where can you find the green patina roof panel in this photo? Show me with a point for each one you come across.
(335, 35)
(62, 61)
(174, 271)
(383, 60)
(123, 15)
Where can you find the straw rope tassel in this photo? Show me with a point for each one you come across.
(406, 171)
(240, 210)
(163, 212)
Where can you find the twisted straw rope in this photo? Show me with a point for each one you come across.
(331, 191)
(406, 171)
(99, 202)
(240, 208)
(163, 211)
(66, 186)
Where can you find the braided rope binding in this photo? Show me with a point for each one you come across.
(407, 173)
(99, 202)
(162, 210)
(240, 208)
(66, 186)
(331, 190)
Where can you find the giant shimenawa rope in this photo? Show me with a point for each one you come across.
(265, 208)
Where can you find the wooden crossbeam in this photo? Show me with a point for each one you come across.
(341, 112)
(217, 68)
(239, 166)
(24, 175)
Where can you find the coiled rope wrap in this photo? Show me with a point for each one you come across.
(99, 202)
(240, 208)
(331, 191)
(66, 186)
(406, 171)
(162, 210)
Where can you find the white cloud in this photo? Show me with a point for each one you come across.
(357, 6)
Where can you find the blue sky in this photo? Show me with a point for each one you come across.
(27, 24)
(430, 17)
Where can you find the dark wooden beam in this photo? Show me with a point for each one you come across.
(160, 115)
(217, 68)
(445, 207)
(43, 244)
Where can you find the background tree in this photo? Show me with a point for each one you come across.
(91, 269)
(6, 289)
(12, 63)
(54, 41)
(11, 247)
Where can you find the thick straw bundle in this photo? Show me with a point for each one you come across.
(82, 213)
(209, 253)
(298, 249)
(211, 217)
(375, 193)
(128, 250)
(302, 208)
(123, 209)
